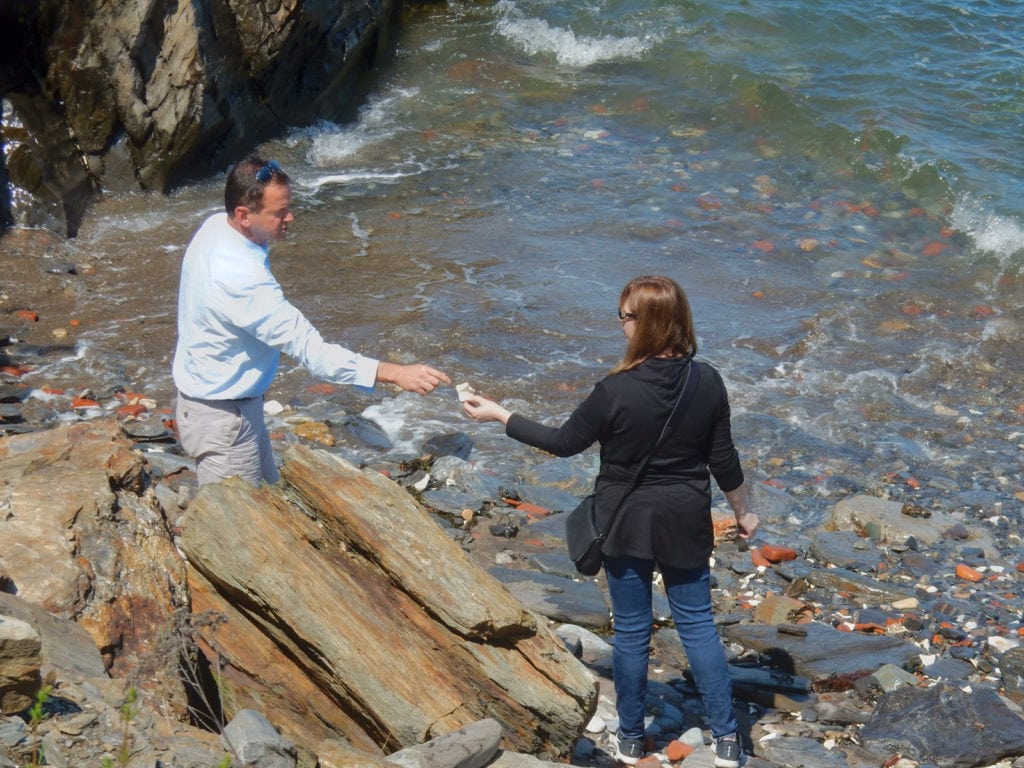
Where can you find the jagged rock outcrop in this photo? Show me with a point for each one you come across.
(83, 540)
(129, 94)
(345, 610)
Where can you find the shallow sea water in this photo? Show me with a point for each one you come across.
(851, 244)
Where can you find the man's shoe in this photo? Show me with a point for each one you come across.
(628, 751)
(727, 751)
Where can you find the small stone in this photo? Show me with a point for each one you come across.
(315, 431)
(776, 554)
(694, 737)
(965, 572)
(677, 750)
(907, 604)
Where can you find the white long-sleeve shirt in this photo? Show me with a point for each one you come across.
(234, 321)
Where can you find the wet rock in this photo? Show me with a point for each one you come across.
(367, 432)
(468, 479)
(845, 549)
(451, 501)
(818, 652)
(856, 512)
(125, 114)
(851, 582)
(457, 444)
(915, 722)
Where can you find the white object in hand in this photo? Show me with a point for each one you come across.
(466, 392)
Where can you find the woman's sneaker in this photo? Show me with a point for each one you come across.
(727, 751)
(628, 751)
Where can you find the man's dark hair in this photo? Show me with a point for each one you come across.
(243, 186)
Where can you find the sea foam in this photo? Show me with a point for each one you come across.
(536, 36)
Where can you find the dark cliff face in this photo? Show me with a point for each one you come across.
(147, 94)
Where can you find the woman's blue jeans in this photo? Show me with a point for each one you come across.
(689, 595)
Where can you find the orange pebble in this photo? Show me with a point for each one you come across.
(933, 249)
(758, 294)
(323, 388)
(132, 409)
(967, 573)
(27, 314)
(778, 554)
(758, 559)
(677, 750)
(533, 509)
(84, 402)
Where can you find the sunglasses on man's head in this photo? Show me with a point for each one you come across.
(266, 173)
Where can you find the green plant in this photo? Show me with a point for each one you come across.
(127, 715)
(36, 713)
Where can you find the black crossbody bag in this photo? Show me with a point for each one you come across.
(582, 536)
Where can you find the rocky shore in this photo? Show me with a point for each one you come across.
(889, 635)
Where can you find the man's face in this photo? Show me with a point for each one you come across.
(271, 221)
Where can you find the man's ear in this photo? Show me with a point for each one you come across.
(241, 216)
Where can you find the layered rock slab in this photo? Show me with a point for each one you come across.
(343, 610)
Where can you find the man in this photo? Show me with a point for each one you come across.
(233, 323)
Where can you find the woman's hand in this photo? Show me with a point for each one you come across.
(481, 409)
(746, 524)
(746, 521)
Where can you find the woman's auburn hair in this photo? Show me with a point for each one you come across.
(664, 323)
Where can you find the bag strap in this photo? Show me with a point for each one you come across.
(679, 410)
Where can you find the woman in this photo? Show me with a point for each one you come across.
(665, 522)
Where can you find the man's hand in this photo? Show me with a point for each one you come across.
(418, 378)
